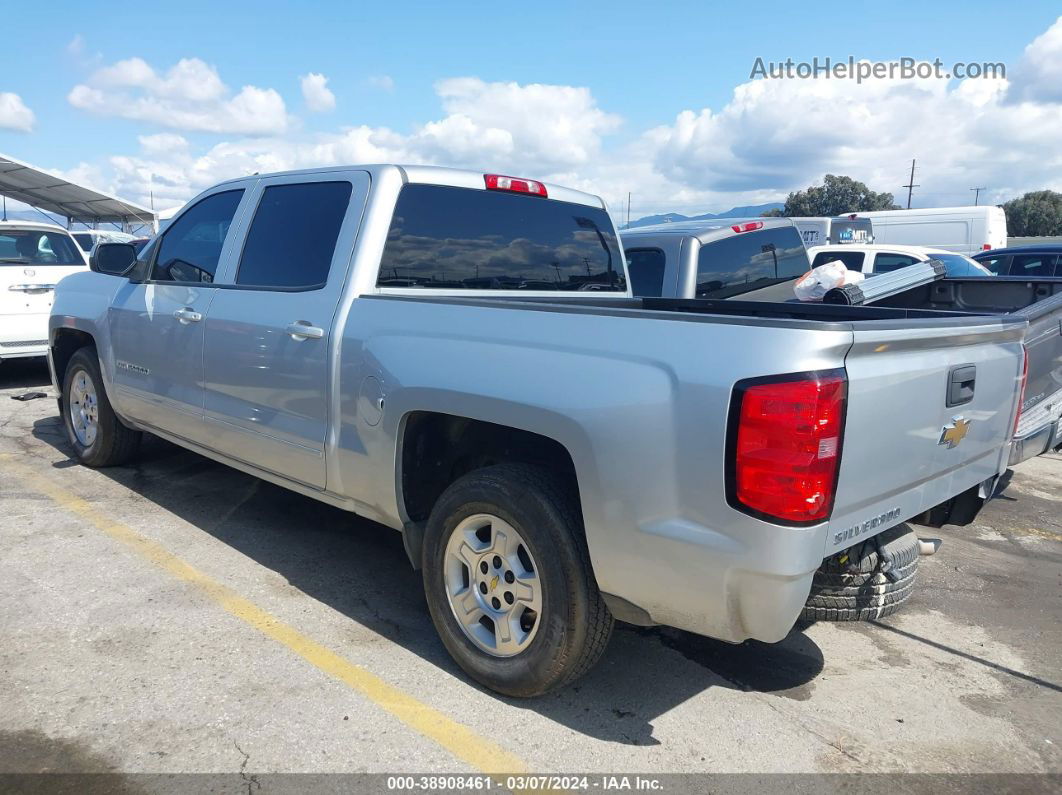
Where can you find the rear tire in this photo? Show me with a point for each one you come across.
(866, 582)
(97, 435)
(532, 512)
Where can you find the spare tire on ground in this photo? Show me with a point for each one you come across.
(867, 581)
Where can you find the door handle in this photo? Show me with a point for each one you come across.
(187, 315)
(302, 330)
(31, 288)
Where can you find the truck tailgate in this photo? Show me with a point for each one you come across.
(905, 449)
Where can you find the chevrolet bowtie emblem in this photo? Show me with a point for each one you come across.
(954, 432)
(494, 582)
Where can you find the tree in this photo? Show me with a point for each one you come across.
(774, 212)
(1036, 213)
(836, 196)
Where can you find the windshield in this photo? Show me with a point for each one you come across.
(958, 266)
(37, 247)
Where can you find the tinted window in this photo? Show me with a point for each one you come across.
(191, 247)
(646, 269)
(488, 240)
(37, 247)
(1033, 265)
(293, 235)
(749, 260)
(83, 240)
(885, 263)
(853, 260)
(995, 264)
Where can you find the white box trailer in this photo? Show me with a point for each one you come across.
(965, 230)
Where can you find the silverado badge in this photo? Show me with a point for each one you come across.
(954, 432)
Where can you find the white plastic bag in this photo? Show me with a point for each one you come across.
(814, 284)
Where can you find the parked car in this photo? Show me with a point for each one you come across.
(964, 230)
(713, 258)
(553, 456)
(33, 258)
(885, 258)
(686, 261)
(1035, 261)
(842, 229)
(88, 238)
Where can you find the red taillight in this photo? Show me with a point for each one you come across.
(1021, 390)
(786, 446)
(986, 247)
(515, 184)
(751, 226)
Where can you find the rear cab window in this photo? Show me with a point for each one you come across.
(853, 260)
(749, 260)
(885, 262)
(37, 247)
(446, 237)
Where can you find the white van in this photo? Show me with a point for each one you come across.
(842, 229)
(965, 230)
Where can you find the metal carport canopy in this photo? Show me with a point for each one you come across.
(30, 185)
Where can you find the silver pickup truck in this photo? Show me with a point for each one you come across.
(757, 260)
(458, 356)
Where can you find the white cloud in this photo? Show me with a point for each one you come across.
(189, 96)
(1038, 76)
(316, 94)
(771, 137)
(381, 82)
(14, 115)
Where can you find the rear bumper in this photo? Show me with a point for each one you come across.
(1037, 442)
(695, 578)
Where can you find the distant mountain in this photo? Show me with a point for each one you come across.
(751, 211)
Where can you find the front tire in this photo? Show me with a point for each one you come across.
(97, 435)
(508, 581)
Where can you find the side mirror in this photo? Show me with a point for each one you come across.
(114, 259)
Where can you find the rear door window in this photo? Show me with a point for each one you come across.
(645, 267)
(191, 247)
(886, 263)
(1033, 265)
(293, 235)
(749, 260)
(464, 238)
(853, 260)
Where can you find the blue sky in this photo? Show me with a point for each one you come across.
(641, 65)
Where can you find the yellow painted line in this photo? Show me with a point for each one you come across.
(479, 752)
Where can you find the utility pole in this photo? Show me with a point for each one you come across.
(910, 185)
(628, 208)
(977, 194)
